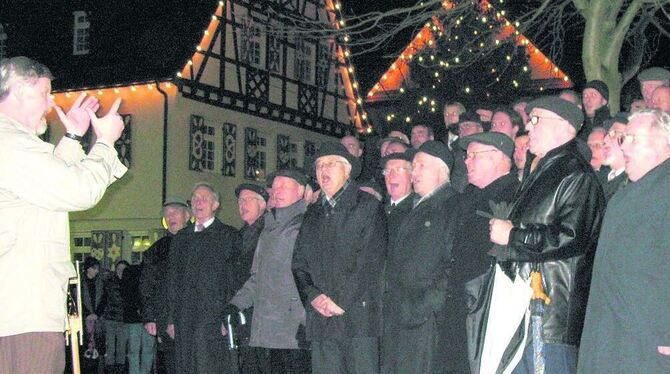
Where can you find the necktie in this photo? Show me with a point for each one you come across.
(199, 227)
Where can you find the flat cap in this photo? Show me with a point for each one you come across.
(408, 155)
(393, 139)
(563, 108)
(337, 149)
(253, 188)
(295, 174)
(469, 117)
(438, 149)
(653, 74)
(498, 140)
(174, 200)
(599, 86)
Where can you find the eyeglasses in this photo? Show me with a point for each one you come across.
(535, 119)
(398, 170)
(328, 164)
(473, 155)
(615, 135)
(630, 138)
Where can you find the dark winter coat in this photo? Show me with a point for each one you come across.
(200, 279)
(470, 257)
(416, 287)
(339, 252)
(153, 282)
(611, 187)
(113, 300)
(130, 294)
(627, 316)
(601, 114)
(93, 302)
(556, 215)
(396, 215)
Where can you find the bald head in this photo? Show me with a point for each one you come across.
(352, 145)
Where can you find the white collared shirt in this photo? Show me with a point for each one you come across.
(204, 224)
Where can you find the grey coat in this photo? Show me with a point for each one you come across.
(271, 290)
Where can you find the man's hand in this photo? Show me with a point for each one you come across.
(224, 332)
(500, 230)
(326, 306)
(108, 128)
(170, 330)
(77, 119)
(151, 328)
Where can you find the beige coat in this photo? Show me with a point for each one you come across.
(39, 185)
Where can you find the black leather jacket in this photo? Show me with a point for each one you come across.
(557, 214)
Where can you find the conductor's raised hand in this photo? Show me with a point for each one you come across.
(108, 128)
(77, 119)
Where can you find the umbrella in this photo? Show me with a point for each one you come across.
(234, 356)
(537, 303)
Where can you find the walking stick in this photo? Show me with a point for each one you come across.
(73, 328)
(538, 300)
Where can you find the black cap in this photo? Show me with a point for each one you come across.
(408, 155)
(253, 188)
(439, 150)
(337, 149)
(563, 108)
(498, 140)
(599, 86)
(469, 117)
(295, 174)
(621, 117)
(653, 74)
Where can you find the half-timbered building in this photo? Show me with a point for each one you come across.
(212, 91)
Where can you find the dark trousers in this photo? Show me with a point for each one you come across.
(558, 359)
(348, 356)
(256, 360)
(33, 352)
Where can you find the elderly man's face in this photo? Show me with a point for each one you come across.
(398, 178)
(176, 217)
(332, 173)
(500, 122)
(287, 191)
(451, 115)
(251, 206)
(592, 100)
(596, 143)
(641, 146)
(203, 204)
(482, 161)
(36, 100)
(647, 88)
(541, 137)
(520, 149)
(426, 173)
(661, 99)
(419, 136)
(352, 145)
(469, 128)
(612, 151)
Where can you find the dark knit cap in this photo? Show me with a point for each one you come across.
(500, 141)
(337, 149)
(90, 262)
(408, 155)
(563, 108)
(293, 173)
(439, 150)
(599, 86)
(253, 188)
(653, 74)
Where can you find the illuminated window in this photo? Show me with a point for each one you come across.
(3, 42)
(82, 28)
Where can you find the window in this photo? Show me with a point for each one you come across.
(304, 55)
(3, 42)
(202, 134)
(80, 40)
(322, 65)
(274, 53)
(251, 42)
